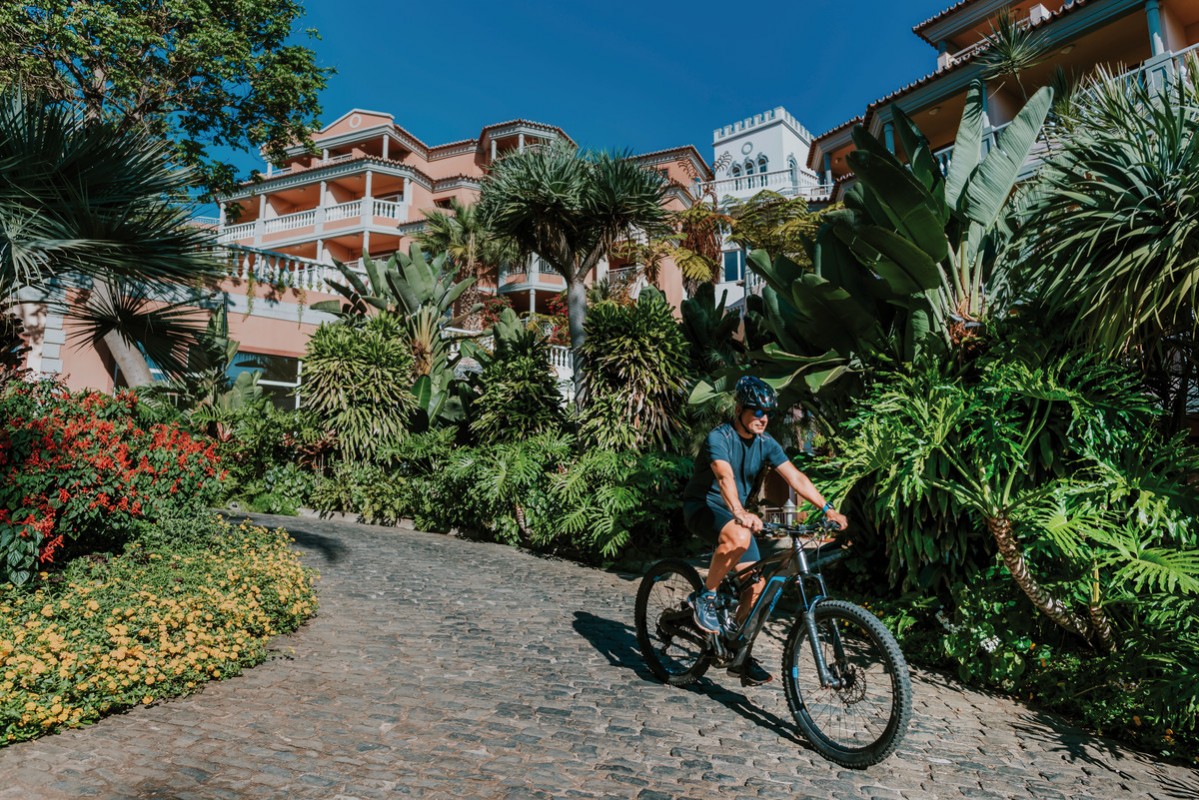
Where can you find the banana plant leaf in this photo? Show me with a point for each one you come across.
(967, 147)
(992, 182)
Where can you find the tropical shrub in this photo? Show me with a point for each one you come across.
(519, 397)
(189, 600)
(356, 383)
(633, 389)
(1108, 232)
(1055, 467)
(82, 468)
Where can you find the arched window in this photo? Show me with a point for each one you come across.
(736, 173)
(763, 168)
(793, 168)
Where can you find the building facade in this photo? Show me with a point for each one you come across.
(365, 191)
(1149, 38)
(767, 152)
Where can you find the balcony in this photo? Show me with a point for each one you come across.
(367, 211)
(535, 275)
(1155, 72)
(786, 182)
(280, 269)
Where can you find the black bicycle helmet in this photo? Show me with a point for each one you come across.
(753, 392)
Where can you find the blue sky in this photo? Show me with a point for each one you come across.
(615, 74)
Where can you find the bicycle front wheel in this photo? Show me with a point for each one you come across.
(861, 716)
(674, 649)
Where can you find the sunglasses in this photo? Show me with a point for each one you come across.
(759, 412)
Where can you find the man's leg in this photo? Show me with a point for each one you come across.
(733, 542)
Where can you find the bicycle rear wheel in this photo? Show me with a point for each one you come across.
(860, 721)
(674, 649)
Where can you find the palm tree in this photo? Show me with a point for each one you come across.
(1109, 229)
(82, 199)
(570, 208)
(471, 247)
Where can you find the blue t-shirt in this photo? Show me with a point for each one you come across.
(747, 457)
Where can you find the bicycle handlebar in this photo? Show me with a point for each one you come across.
(778, 530)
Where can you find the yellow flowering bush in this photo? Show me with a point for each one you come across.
(186, 602)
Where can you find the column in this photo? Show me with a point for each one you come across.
(828, 169)
(532, 301)
(1153, 15)
(368, 201)
(261, 221)
(386, 142)
(325, 154)
(221, 211)
(320, 251)
(366, 243)
(520, 141)
(320, 206)
(889, 135)
(493, 150)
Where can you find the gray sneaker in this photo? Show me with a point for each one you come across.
(704, 614)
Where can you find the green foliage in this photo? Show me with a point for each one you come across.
(636, 368)
(520, 397)
(225, 72)
(570, 208)
(777, 224)
(284, 490)
(907, 267)
(356, 384)
(1110, 232)
(422, 294)
(607, 500)
(78, 472)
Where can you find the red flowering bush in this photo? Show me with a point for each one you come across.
(85, 468)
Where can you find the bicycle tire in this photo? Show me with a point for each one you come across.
(675, 651)
(836, 721)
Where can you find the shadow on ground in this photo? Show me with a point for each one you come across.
(331, 548)
(617, 642)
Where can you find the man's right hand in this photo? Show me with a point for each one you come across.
(751, 521)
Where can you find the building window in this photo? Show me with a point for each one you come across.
(279, 376)
(734, 265)
(736, 172)
(763, 168)
(793, 168)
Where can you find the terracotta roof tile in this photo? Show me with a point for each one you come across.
(940, 16)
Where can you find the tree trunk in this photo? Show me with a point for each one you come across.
(576, 309)
(129, 360)
(1001, 529)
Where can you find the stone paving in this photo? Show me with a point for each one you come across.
(443, 668)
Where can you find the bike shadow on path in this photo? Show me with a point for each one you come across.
(617, 642)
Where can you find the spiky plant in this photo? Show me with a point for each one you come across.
(1110, 235)
(635, 377)
(520, 397)
(356, 382)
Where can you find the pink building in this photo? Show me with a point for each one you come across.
(364, 192)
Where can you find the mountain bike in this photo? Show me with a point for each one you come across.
(846, 681)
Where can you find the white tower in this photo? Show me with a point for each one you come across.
(765, 152)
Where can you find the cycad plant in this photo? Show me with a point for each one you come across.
(636, 374)
(1109, 236)
(85, 199)
(422, 293)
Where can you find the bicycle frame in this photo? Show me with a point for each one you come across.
(777, 571)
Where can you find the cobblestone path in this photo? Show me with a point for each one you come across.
(442, 668)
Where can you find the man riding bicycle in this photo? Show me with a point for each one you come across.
(726, 471)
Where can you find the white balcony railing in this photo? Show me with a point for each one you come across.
(389, 209)
(279, 269)
(232, 233)
(343, 211)
(290, 222)
(784, 181)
